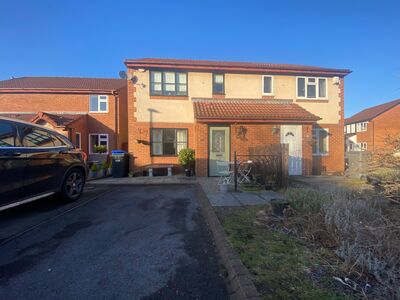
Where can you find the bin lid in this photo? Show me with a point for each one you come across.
(118, 152)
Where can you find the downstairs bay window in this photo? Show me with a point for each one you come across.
(167, 141)
(320, 145)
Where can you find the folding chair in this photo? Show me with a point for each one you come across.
(244, 171)
(223, 170)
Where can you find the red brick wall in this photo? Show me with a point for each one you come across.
(386, 124)
(36, 102)
(122, 130)
(80, 125)
(139, 144)
(256, 135)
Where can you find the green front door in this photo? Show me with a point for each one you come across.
(218, 147)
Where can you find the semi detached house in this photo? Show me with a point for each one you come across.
(89, 111)
(217, 108)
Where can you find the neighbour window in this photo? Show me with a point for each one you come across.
(98, 103)
(8, 136)
(363, 146)
(168, 83)
(362, 126)
(78, 140)
(267, 85)
(311, 87)
(218, 84)
(168, 141)
(320, 141)
(98, 143)
(33, 137)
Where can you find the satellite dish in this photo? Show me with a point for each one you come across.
(134, 79)
(122, 74)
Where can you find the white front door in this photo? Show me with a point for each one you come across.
(291, 134)
(218, 148)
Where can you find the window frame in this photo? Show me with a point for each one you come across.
(272, 85)
(162, 142)
(213, 84)
(319, 153)
(317, 97)
(80, 140)
(163, 83)
(362, 126)
(99, 100)
(90, 143)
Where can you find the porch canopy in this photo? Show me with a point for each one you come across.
(251, 110)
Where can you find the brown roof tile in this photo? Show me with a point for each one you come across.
(148, 62)
(63, 83)
(372, 112)
(260, 110)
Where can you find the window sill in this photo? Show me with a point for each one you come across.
(320, 154)
(218, 96)
(162, 97)
(98, 112)
(313, 100)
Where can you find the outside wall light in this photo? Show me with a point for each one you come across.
(276, 130)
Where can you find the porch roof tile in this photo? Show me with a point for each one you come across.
(258, 110)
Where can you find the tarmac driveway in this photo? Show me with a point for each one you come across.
(130, 242)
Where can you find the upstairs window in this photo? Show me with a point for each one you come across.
(98, 103)
(267, 85)
(320, 141)
(311, 88)
(168, 83)
(218, 84)
(362, 126)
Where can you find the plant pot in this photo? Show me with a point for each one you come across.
(223, 188)
(92, 174)
(188, 172)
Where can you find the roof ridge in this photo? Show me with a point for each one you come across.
(372, 111)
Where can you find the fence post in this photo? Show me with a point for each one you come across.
(235, 170)
(284, 164)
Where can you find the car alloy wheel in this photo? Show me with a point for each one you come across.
(74, 184)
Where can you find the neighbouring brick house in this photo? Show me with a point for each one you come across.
(89, 111)
(368, 129)
(221, 107)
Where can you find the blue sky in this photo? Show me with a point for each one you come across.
(92, 38)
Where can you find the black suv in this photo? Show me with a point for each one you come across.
(36, 162)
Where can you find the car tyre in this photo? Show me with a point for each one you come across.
(73, 185)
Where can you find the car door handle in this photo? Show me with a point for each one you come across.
(13, 154)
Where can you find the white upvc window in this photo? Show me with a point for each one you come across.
(311, 88)
(98, 143)
(320, 141)
(78, 140)
(98, 103)
(267, 85)
(363, 146)
(362, 126)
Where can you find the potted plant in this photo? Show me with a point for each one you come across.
(93, 170)
(104, 168)
(99, 149)
(187, 160)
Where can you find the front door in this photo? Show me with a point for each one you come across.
(291, 135)
(218, 147)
